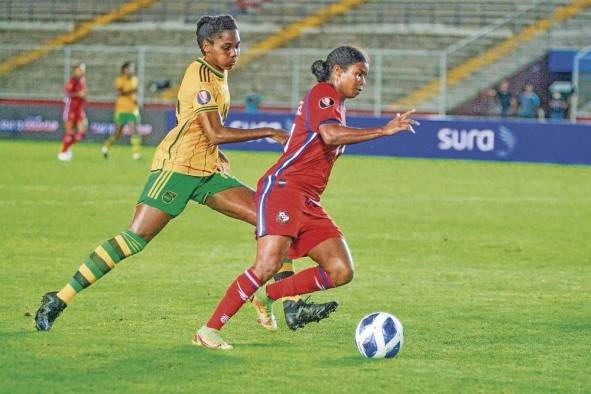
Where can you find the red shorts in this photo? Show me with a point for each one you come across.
(74, 115)
(283, 210)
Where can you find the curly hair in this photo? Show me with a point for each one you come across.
(343, 56)
(211, 27)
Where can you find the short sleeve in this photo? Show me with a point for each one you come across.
(205, 97)
(323, 106)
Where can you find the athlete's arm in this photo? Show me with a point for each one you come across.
(335, 134)
(218, 134)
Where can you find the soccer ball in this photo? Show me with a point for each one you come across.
(379, 335)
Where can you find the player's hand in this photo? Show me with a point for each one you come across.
(280, 136)
(400, 123)
(223, 163)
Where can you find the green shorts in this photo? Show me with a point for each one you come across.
(123, 118)
(170, 191)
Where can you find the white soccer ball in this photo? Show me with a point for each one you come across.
(379, 335)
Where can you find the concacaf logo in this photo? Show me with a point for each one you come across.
(325, 102)
(203, 97)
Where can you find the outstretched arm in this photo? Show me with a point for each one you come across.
(218, 134)
(335, 134)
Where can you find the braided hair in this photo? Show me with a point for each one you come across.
(343, 56)
(211, 27)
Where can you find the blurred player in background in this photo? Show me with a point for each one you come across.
(74, 116)
(290, 220)
(127, 111)
(188, 166)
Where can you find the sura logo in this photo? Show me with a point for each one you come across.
(461, 140)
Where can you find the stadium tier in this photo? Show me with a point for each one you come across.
(386, 31)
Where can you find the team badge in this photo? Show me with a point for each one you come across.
(283, 217)
(168, 196)
(203, 97)
(325, 102)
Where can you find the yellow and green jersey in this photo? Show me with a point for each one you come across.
(126, 95)
(186, 149)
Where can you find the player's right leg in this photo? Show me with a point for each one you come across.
(146, 223)
(112, 138)
(65, 153)
(271, 250)
(135, 141)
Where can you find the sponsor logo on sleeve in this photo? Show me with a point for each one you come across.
(325, 102)
(203, 97)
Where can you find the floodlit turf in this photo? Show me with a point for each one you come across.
(487, 265)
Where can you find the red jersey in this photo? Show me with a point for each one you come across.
(74, 85)
(307, 161)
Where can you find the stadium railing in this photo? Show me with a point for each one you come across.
(282, 78)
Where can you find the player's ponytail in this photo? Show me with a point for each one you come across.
(343, 56)
(211, 27)
(320, 70)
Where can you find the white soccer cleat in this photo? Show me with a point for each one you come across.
(105, 152)
(137, 156)
(65, 156)
(211, 339)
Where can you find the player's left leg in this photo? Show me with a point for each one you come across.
(335, 268)
(81, 127)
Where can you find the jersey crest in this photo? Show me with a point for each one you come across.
(203, 97)
(325, 102)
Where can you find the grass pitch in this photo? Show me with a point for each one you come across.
(488, 266)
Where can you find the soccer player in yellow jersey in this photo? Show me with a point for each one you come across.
(189, 166)
(127, 111)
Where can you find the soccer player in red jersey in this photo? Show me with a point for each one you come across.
(290, 219)
(74, 115)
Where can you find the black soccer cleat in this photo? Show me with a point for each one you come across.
(302, 312)
(50, 309)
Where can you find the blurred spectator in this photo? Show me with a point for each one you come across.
(529, 103)
(486, 104)
(158, 85)
(558, 106)
(253, 101)
(505, 99)
(246, 5)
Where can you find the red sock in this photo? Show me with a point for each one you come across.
(304, 282)
(79, 137)
(67, 142)
(239, 291)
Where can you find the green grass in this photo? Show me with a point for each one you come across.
(487, 265)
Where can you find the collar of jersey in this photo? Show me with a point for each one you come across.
(211, 68)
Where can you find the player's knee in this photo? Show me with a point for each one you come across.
(265, 269)
(145, 235)
(341, 273)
